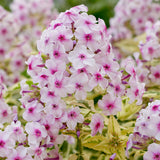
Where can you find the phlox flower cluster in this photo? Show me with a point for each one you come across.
(147, 131)
(19, 31)
(6, 113)
(149, 48)
(6, 41)
(7, 38)
(147, 60)
(7, 33)
(150, 52)
(32, 16)
(131, 16)
(75, 57)
(74, 63)
(148, 121)
(24, 142)
(13, 132)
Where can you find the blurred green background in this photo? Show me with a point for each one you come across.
(5, 3)
(103, 9)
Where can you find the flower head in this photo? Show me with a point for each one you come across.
(110, 104)
(153, 152)
(74, 117)
(96, 124)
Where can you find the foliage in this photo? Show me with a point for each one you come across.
(6, 3)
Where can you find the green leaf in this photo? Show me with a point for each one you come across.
(128, 110)
(98, 143)
(12, 95)
(91, 142)
(29, 82)
(113, 127)
(152, 93)
(5, 4)
(139, 155)
(64, 147)
(129, 46)
(25, 74)
(80, 158)
(73, 157)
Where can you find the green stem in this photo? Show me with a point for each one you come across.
(79, 143)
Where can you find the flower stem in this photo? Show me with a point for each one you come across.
(79, 143)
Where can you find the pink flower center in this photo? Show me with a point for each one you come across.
(68, 13)
(97, 125)
(5, 113)
(18, 63)
(1, 51)
(157, 156)
(155, 107)
(16, 129)
(38, 151)
(30, 110)
(2, 143)
(109, 49)
(151, 19)
(157, 75)
(44, 76)
(117, 88)
(82, 56)
(56, 54)
(79, 86)
(136, 92)
(142, 78)
(4, 31)
(61, 37)
(133, 71)
(16, 80)
(2, 79)
(47, 127)
(150, 50)
(72, 115)
(87, 22)
(97, 51)
(53, 71)
(54, 106)
(38, 33)
(133, 10)
(56, 25)
(82, 70)
(22, 17)
(88, 37)
(17, 158)
(110, 106)
(158, 126)
(34, 5)
(50, 93)
(140, 20)
(21, 7)
(58, 84)
(98, 76)
(52, 138)
(144, 124)
(158, 34)
(106, 67)
(46, 41)
(37, 132)
(30, 66)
